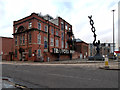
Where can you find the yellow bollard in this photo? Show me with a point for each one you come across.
(106, 63)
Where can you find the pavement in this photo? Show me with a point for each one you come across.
(9, 83)
(112, 65)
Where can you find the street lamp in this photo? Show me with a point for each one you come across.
(113, 34)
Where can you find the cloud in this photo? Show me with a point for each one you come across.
(75, 12)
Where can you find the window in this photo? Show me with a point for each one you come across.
(52, 31)
(45, 42)
(15, 52)
(30, 37)
(39, 38)
(39, 26)
(57, 32)
(62, 26)
(23, 39)
(39, 52)
(62, 36)
(66, 26)
(69, 29)
(30, 52)
(30, 25)
(57, 43)
(66, 37)
(20, 39)
(45, 28)
(15, 40)
(15, 29)
(66, 45)
(52, 42)
(62, 44)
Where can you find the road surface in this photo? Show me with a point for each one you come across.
(60, 76)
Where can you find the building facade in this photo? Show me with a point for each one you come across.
(105, 49)
(119, 25)
(42, 38)
(6, 48)
(81, 49)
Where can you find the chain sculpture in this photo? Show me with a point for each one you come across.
(93, 30)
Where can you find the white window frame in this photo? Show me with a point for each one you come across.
(45, 39)
(45, 28)
(62, 44)
(66, 45)
(15, 40)
(57, 43)
(39, 39)
(66, 26)
(20, 39)
(52, 31)
(30, 25)
(16, 29)
(57, 33)
(23, 39)
(39, 27)
(62, 26)
(69, 29)
(62, 36)
(51, 41)
(39, 52)
(30, 38)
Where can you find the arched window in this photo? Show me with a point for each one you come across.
(21, 29)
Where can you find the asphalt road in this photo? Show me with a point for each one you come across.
(60, 76)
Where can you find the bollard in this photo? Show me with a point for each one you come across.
(106, 63)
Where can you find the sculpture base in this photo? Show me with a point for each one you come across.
(97, 57)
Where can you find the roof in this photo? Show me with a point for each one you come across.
(6, 37)
(78, 40)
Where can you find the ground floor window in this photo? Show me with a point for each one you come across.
(57, 44)
(39, 52)
(66, 45)
(45, 42)
(52, 42)
(15, 52)
(62, 44)
(30, 52)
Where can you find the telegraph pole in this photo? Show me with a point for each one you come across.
(113, 34)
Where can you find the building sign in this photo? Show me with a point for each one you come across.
(62, 51)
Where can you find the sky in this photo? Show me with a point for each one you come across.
(75, 12)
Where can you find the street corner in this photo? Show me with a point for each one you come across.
(9, 83)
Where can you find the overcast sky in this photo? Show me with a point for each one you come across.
(75, 12)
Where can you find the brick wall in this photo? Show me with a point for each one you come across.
(7, 46)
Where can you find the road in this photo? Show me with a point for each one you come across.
(61, 76)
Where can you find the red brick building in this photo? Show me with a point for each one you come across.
(81, 49)
(38, 37)
(6, 48)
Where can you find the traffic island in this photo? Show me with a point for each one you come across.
(109, 68)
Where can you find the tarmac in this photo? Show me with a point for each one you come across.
(112, 65)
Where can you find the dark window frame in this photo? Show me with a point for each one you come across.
(30, 52)
(16, 53)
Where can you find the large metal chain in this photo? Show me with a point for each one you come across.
(91, 23)
(93, 30)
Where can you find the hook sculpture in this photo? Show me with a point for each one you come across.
(97, 44)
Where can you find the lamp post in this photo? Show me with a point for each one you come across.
(113, 34)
